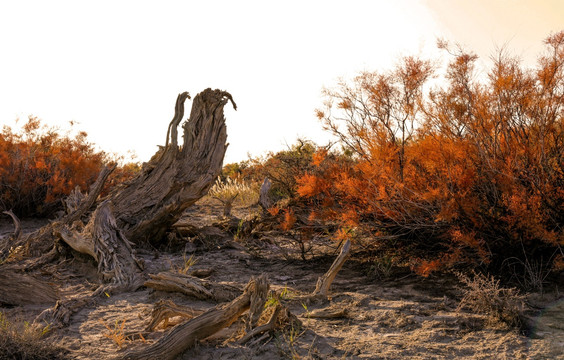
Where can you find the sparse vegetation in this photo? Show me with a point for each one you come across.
(484, 295)
(242, 192)
(22, 340)
(116, 333)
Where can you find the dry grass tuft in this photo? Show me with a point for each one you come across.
(116, 334)
(482, 294)
(246, 194)
(22, 340)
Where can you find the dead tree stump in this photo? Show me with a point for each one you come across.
(142, 210)
(180, 175)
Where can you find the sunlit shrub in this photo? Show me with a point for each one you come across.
(40, 165)
(242, 192)
(468, 172)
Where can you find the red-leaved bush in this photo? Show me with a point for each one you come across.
(39, 166)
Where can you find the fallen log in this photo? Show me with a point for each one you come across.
(185, 335)
(192, 286)
(327, 313)
(24, 289)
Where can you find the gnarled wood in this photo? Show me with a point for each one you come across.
(118, 266)
(153, 201)
(72, 202)
(86, 202)
(104, 241)
(185, 335)
(192, 286)
(269, 326)
(143, 209)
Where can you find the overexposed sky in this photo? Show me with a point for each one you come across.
(116, 67)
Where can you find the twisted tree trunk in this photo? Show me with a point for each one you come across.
(176, 177)
(141, 210)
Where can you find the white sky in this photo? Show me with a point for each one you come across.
(116, 67)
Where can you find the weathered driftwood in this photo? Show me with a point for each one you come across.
(180, 175)
(24, 289)
(143, 209)
(324, 282)
(82, 204)
(118, 266)
(164, 310)
(327, 313)
(192, 286)
(185, 335)
(60, 314)
(104, 241)
(72, 202)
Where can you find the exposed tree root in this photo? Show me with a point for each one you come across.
(185, 335)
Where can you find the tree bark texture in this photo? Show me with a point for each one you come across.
(177, 176)
(23, 289)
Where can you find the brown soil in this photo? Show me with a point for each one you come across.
(400, 317)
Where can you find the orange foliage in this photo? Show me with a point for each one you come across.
(38, 167)
(473, 168)
(274, 211)
(289, 220)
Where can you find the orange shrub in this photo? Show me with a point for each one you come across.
(39, 166)
(471, 172)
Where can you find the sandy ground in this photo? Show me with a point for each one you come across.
(402, 317)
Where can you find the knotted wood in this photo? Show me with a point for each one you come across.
(177, 176)
(185, 335)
